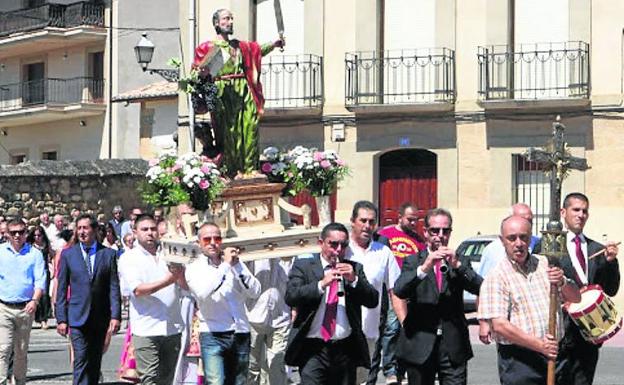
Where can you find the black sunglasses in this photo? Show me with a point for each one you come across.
(334, 244)
(439, 230)
(17, 233)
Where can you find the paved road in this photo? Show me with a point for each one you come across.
(49, 363)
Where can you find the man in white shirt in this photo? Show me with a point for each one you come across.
(269, 317)
(155, 313)
(221, 284)
(380, 268)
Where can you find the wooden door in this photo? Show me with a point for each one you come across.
(407, 176)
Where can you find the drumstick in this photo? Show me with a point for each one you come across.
(597, 253)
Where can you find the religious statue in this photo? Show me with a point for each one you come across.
(233, 66)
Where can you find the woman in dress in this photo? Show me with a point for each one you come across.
(37, 238)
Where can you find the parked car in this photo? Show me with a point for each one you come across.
(472, 248)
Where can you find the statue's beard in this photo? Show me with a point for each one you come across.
(226, 31)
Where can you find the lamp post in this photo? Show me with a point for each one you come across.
(144, 50)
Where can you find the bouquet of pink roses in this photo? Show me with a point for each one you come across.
(319, 172)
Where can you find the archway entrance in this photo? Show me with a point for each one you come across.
(407, 176)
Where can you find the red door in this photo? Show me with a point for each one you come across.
(407, 176)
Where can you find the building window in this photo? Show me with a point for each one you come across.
(49, 155)
(531, 186)
(18, 158)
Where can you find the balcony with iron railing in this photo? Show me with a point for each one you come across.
(51, 99)
(53, 26)
(408, 78)
(535, 72)
(292, 83)
(52, 15)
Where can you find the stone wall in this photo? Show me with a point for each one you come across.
(57, 187)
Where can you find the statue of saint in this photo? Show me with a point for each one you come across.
(234, 68)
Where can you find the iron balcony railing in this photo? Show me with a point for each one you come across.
(409, 76)
(534, 71)
(17, 96)
(52, 15)
(292, 81)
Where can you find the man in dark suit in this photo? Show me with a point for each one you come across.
(326, 341)
(578, 358)
(434, 338)
(89, 271)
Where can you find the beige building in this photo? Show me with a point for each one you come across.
(60, 60)
(435, 101)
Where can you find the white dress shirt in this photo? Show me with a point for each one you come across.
(221, 292)
(380, 267)
(343, 329)
(269, 310)
(572, 252)
(157, 314)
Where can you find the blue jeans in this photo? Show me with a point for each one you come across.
(385, 349)
(225, 357)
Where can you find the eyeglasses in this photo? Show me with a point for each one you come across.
(17, 233)
(334, 244)
(211, 239)
(439, 231)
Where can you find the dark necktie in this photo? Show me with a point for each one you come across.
(331, 309)
(579, 254)
(87, 259)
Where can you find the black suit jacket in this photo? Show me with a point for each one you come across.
(428, 309)
(302, 293)
(599, 272)
(96, 299)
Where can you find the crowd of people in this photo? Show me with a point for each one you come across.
(374, 299)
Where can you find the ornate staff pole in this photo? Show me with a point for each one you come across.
(555, 160)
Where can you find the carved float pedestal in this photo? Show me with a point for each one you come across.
(248, 213)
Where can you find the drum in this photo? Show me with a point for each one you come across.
(596, 316)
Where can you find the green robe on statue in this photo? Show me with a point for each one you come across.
(239, 103)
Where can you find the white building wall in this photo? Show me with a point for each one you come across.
(68, 137)
(266, 27)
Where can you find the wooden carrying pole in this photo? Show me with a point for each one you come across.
(552, 329)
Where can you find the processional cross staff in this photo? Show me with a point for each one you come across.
(555, 160)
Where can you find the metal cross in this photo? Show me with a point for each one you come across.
(555, 160)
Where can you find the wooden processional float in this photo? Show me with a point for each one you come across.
(253, 217)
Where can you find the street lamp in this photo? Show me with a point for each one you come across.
(144, 50)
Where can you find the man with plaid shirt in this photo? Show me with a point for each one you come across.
(514, 298)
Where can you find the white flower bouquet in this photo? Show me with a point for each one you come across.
(172, 180)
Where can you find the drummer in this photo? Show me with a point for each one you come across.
(578, 358)
(221, 284)
(514, 299)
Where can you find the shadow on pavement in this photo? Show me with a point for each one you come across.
(51, 376)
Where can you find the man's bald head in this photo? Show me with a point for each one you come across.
(522, 210)
(516, 237)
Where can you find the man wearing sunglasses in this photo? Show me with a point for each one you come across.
(22, 281)
(434, 338)
(326, 341)
(221, 284)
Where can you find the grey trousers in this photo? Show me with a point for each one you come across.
(156, 358)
